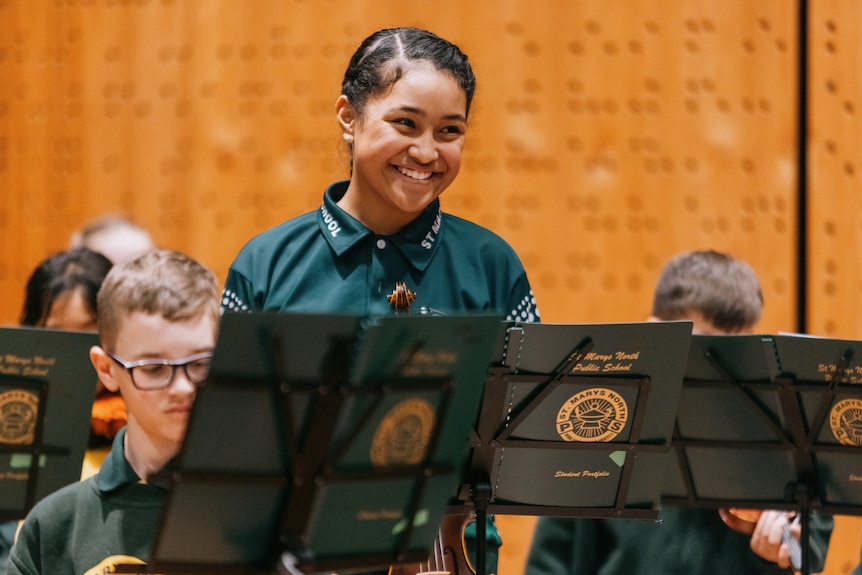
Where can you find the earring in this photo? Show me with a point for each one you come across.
(348, 138)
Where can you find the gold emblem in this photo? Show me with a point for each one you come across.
(403, 435)
(592, 415)
(845, 419)
(18, 410)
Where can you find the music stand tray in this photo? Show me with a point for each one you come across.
(336, 439)
(47, 385)
(577, 420)
(770, 422)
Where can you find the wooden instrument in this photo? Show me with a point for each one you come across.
(745, 520)
(449, 556)
(401, 297)
(108, 415)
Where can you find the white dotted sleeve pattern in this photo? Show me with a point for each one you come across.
(526, 310)
(232, 302)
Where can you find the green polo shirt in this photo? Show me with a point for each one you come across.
(93, 526)
(683, 542)
(327, 261)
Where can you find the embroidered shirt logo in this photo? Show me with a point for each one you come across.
(18, 411)
(593, 415)
(330, 222)
(431, 236)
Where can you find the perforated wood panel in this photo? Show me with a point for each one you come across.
(835, 201)
(619, 133)
(606, 135)
(835, 208)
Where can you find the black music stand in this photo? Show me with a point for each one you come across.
(576, 421)
(332, 442)
(47, 385)
(767, 422)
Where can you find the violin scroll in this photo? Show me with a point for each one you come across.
(401, 297)
(449, 556)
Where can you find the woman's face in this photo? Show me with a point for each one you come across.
(406, 147)
(71, 312)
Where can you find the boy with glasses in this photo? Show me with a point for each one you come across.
(157, 318)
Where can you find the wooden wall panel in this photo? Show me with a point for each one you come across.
(623, 132)
(835, 200)
(835, 204)
(606, 135)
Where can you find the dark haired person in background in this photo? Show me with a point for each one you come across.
(61, 291)
(61, 294)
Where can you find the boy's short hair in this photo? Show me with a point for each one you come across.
(724, 290)
(158, 282)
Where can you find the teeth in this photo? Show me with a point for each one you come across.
(414, 174)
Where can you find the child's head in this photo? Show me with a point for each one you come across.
(719, 293)
(158, 318)
(403, 113)
(61, 291)
(383, 57)
(159, 282)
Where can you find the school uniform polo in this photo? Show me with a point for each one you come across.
(90, 527)
(326, 261)
(683, 542)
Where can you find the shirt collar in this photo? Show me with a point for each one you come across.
(116, 470)
(418, 240)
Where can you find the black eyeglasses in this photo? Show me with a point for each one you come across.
(154, 374)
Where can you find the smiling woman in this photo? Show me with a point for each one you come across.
(403, 110)
(406, 147)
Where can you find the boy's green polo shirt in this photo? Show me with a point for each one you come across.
(93, 526)
(327, 261)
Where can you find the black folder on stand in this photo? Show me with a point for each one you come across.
(334, 442)
(577, 420)
(770, 422)
(47, 386)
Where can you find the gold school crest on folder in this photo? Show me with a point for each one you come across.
(18, 411)
(845, 419)
(403, 435)
(593, 415)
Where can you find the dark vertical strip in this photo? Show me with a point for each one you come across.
(802, 171)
